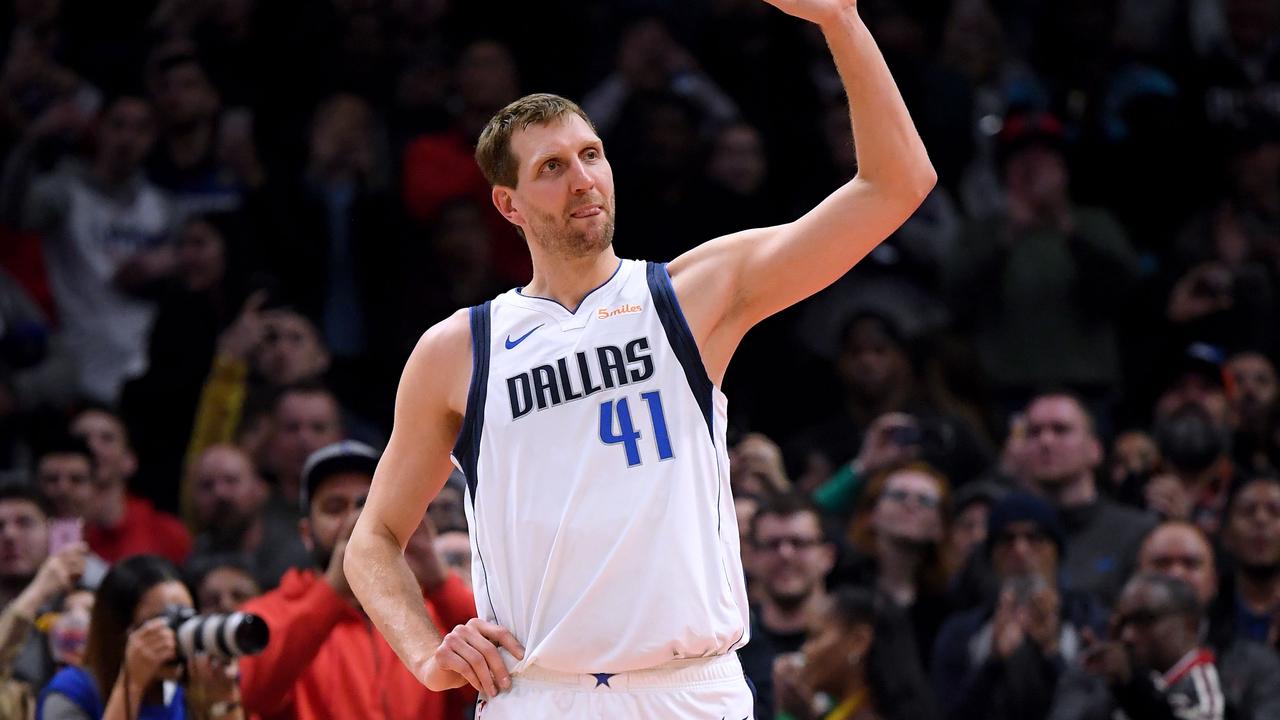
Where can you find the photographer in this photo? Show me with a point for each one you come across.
(132, 657)
(324, 659)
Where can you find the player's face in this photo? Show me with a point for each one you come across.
(564, 200)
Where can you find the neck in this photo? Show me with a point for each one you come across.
(1258, 590)
(251, 538)
(112, 505)
(1073, 493)
(898, 567)
(568, 280)
(854, 683)
(290, 488)
(189, 146)
(863, 410)
(789, 620)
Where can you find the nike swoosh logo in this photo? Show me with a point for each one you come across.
(512, 343)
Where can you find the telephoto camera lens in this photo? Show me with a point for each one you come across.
(225, 636)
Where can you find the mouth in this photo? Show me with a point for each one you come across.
(587, 211)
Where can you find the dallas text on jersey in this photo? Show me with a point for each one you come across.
(570, 377)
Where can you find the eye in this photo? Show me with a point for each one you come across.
(551, 166)
(591, 154)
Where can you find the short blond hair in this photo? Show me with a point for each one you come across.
(493, 151)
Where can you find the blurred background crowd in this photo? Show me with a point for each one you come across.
(1021, 462)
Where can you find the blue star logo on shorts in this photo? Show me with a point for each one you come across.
(603, 679)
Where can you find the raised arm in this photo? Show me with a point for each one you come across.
(748, 276)
(415, 465)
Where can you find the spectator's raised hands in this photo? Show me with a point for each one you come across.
(58, 574)
(1204, 290)
(242, 337)
(886, 443)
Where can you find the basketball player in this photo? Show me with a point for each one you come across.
(585, 412)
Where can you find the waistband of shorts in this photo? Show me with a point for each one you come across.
(677, 673)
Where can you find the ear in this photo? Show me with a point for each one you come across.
(860, 638)
(130, 464)
(304, 530)
(504, 200)
(1095, 452)
(828, 558)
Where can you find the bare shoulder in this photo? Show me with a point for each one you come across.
(708, 281)
(708, 274)
(440, 366)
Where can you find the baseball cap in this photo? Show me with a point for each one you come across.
(1023, 129)
(342, 456)
(1204, 360)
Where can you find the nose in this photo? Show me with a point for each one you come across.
(580, 180)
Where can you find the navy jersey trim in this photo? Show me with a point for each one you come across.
(680, 338)
(467, 447)
(584, 297)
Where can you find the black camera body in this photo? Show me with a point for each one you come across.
(222, 636)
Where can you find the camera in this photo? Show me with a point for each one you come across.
(222, 636)
(935, 439)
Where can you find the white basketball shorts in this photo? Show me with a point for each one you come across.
(696, 689)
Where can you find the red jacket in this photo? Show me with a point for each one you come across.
(143, 530)
(326, 660)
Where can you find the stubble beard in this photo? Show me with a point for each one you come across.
(561, 239)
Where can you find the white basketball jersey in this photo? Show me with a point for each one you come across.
(603, 531)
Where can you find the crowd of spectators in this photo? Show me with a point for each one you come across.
(1022, 462)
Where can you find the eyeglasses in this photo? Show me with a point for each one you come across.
(799, 543)
(924, 500)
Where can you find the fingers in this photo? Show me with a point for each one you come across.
(481, 636)
(155, 640)
(502, 637)
(471, 651)
(254, 303)
(456, 655)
